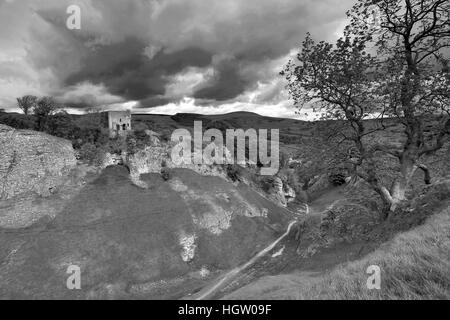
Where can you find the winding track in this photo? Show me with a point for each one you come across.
(234, 272)
(237, 270)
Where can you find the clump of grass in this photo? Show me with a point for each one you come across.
(165, 173)
(414, 265)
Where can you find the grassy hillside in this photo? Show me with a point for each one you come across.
(411, 249)
(414, 265)
(128, 240)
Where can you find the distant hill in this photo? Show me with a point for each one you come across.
(242, 120)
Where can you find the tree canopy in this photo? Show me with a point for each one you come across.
(27, 103)
(392, 61)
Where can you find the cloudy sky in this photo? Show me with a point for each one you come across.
(159, 56)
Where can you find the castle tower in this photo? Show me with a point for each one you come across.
(118, 122)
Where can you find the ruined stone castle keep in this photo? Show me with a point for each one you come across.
(118, 122)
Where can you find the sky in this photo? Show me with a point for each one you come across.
(160, 56)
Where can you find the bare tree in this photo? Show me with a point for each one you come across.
(407, 77)
(27, 103)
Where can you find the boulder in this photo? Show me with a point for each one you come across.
(32, 162)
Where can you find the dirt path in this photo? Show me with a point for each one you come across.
(318, 206)
(229, 275)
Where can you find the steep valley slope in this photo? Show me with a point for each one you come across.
(161, 242)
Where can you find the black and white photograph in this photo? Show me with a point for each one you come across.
(243, 151)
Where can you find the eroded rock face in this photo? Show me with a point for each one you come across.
(223, 207)
(153, 158)
(32, 162)
(281, 192)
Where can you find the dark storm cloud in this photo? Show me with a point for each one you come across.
(154, 102)
(226, 84)
(127, 72)
(151, 50)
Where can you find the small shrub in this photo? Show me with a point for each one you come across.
(18, 121)
(117, 145)
(87, 150)
(233, 172)
(266, 184)
(165, 174)
(337, 175)
(61, 125)
(91, 153)
(166, 136)
(284, 160)
(142, 139)
(337, 179)
(131, 143)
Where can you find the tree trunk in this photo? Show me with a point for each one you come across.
(393, 197)
(407, 169)
(426, 172)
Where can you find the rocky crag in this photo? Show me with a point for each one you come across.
(31, 164)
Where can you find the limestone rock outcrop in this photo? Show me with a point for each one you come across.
(32, 162)
(280, 192)
(153, 158)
